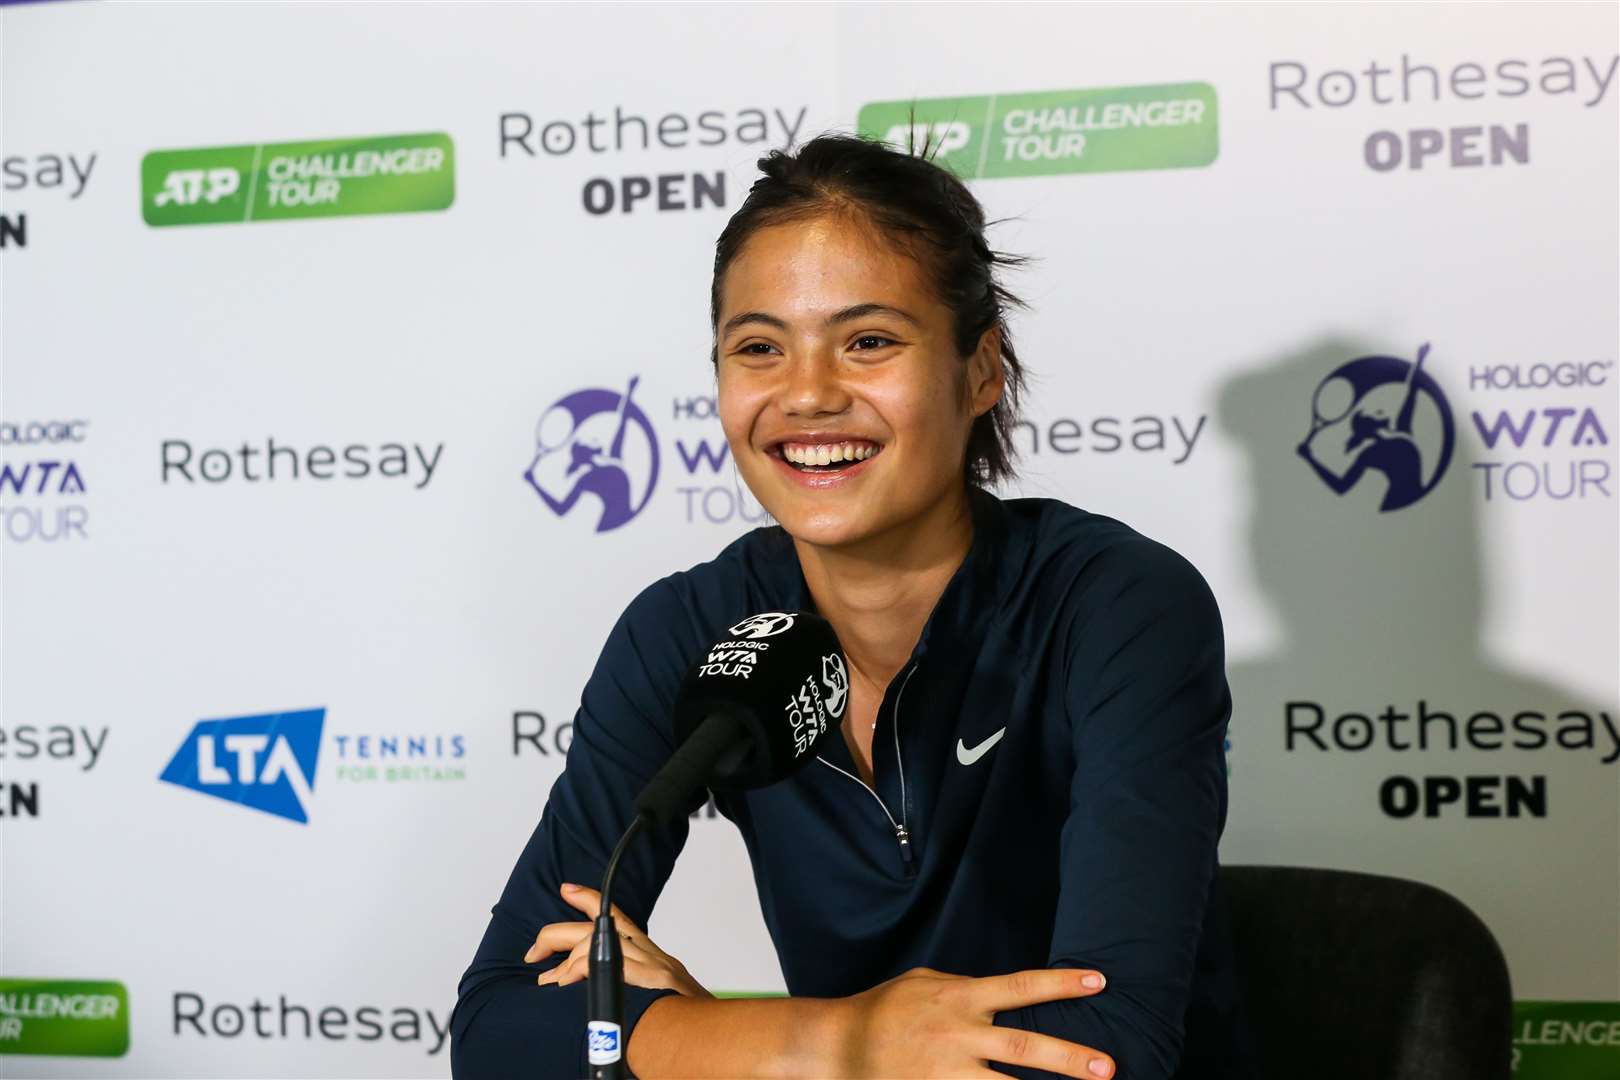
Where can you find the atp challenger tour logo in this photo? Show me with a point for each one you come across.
(64, 1017)
(1570, 1040)
(379, 174)
(595, 442)
(1048, 133)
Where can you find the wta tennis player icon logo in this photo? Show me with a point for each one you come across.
(765, 624)
(1385, 415)
(835, 679)
(596, 442)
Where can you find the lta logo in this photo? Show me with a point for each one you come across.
(596, 442)
(1383, 415)
(264, 762)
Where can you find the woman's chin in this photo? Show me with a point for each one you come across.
(823, 527)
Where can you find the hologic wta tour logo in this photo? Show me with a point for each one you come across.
(595, 442)
(379, 174)
(1384, 415)
(42, 488)
(835, 678)
(265, 762)
(1117, 129)
(765, 624)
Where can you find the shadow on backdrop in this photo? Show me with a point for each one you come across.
(1382, 615)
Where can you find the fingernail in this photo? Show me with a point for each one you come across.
(528, 957)
(1100, 1067)
(1092, 980)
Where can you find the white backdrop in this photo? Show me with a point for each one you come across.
(438, 604)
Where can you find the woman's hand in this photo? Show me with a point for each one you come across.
(645, 964)
(928, 1023)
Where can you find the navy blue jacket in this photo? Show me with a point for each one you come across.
(1087, 658)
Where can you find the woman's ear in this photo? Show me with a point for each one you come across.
(985, 375)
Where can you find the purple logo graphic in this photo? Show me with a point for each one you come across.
(596, 442)
(1385, 415)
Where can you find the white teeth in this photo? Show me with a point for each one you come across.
(826, 453)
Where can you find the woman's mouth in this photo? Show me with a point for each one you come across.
(825, 457)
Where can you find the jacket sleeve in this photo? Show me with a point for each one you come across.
(1148, 701)
(504, 1025)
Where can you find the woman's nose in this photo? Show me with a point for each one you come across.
(812, 386)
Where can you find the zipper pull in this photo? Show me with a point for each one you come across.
(904, 837)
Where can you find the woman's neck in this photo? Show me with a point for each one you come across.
(879, 593)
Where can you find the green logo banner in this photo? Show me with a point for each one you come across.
(1566, 1040)
(382, 174)
(1119, 129)
(68, 1018)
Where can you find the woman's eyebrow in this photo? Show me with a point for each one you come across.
(843, 315)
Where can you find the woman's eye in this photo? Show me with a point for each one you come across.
(745, 350)
(874, 337)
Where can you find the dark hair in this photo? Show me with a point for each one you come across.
(926, 209)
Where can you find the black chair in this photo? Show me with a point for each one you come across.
(1350, 975)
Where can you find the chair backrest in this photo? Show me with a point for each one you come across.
(1355, 975)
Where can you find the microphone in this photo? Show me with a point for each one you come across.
(749, 713)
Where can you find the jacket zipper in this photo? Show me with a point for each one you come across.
(902, 833)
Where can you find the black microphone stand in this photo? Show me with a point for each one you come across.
(659, 802)
(605, 1016)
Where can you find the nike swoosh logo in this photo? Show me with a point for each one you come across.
(968, 757)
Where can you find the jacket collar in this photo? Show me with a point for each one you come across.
(961, 619)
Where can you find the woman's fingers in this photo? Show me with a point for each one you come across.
(566, 966)
(653, 975)
(589, 901)
(578, 959)
(1014, 1046)
(639, 965)
(556, 937)
(645, 964)
(998, 993)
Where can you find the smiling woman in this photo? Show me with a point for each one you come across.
(1030, 786)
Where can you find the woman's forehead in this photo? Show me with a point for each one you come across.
(814, 268)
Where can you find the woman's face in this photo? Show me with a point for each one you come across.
(841, 393)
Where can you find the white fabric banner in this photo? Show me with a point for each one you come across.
(1325, 299)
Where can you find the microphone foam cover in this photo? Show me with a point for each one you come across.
(782, 676)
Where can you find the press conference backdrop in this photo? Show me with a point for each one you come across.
(309, 311)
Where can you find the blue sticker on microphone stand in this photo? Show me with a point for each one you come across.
(604, 1042)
